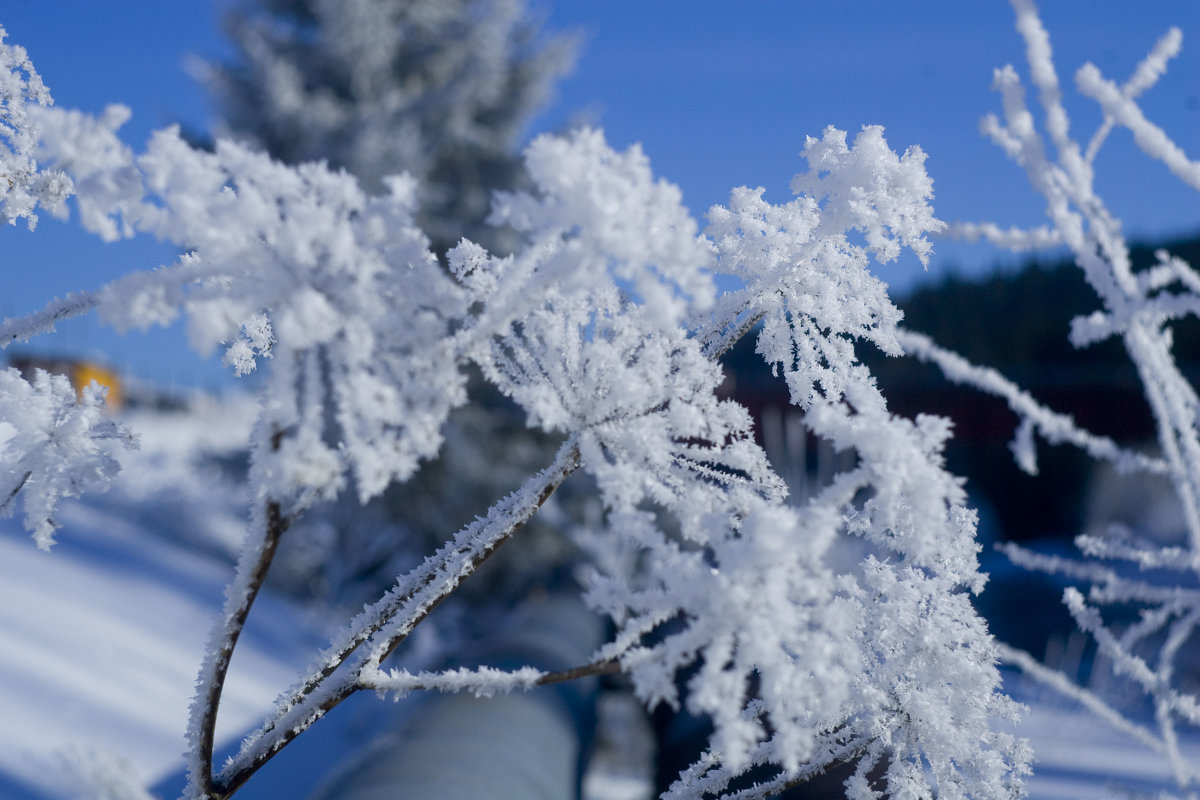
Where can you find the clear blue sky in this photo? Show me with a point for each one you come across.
(719, 94)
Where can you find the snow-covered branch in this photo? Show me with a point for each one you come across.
(603, 327)
(1056, 428)
(53, 445)
(1136, 307)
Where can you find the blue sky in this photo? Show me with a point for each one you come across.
(720, 94)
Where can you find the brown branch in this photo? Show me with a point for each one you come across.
(383, 612)
(276, 524)
(570, 464)
(234, 781)
(607, 667)
(775, 787)
(16, 489)
(226, 786)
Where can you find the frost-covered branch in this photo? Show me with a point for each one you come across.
(1147, 73)
(707, 779)
(252, 573)
(1089, 700)
(1175, 558)
(1135, 306)
(23, 328)
(1107, 584)
(1127, 663)
(1056, 428)
(482, 681)
(1014, 239)
(1120, 107)
(389, 620)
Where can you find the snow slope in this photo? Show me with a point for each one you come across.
(1076, 755)
(100, 641)
(101, 638)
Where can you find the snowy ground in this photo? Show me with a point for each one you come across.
(100, 641)
(1077, 756)
(101, 638)
(99, 645)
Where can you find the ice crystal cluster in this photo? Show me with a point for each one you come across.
(605, 327)
(22, 185)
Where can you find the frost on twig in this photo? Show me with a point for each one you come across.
(1055, 427)
(1089, 700)
(1014, 239)
(23, 185)
(30, 325)
(53, 445)
(1119, 107)
(1136, 307)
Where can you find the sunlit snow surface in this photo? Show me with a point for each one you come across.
(101, 638)
(1078, 756)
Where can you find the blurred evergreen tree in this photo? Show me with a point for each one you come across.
(440, 89)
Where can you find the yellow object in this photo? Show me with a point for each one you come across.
(81, 373)
(84, 372)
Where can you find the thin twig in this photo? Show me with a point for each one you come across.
(847, 754)
(719, 340)
(16, 489)
(490, 680)
(73, 305)
(1089, 700)
(606, 667)
(567, 462)
(276, 524)
(451, 567)
(231, 779)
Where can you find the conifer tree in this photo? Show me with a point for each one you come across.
(440, 89)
